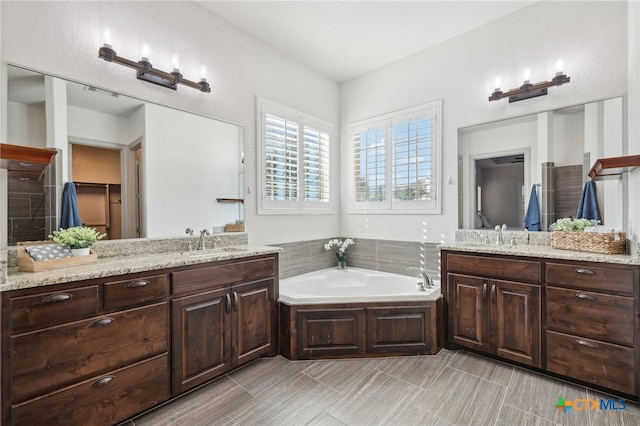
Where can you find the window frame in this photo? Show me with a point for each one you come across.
(299, 206)
(390, 206)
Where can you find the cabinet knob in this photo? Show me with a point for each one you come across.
(58, 297)
(102, 381)
(138, 284)
(585, 271)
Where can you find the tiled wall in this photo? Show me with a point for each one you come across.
(381, 255)
(568, 188)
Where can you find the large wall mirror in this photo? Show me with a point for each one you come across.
(501, 163)
(139, 169)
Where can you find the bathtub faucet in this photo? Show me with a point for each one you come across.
(426, 281)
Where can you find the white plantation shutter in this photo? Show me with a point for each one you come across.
(394, 162)
(294, 161)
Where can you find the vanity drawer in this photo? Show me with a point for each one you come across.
(515, 269)
(588, 277)
(102, 400)
(210, 277)
(47, 359)
(591, 361)
(595, 315)
(53, 307)
(136, 291)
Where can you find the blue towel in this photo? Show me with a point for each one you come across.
(588, 205)
(532, 218)
(69, 216)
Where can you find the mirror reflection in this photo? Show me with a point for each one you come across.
(503, 162)
(139, 169)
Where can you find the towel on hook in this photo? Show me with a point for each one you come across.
(69, 216)
(588, 206)
(532, 218)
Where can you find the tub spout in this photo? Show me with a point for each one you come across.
(426, 281)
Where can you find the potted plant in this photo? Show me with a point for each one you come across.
(78, 238)
(341, 254)
(569, 234)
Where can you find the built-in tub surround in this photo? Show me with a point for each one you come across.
(379, 255)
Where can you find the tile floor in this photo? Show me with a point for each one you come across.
(450, 388)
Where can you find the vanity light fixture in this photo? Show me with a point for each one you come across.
(528, 90)
(147, 72)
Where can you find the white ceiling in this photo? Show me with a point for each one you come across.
(345, 39)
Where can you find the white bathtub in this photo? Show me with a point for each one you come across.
(353, 285)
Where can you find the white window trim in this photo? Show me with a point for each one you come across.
(270, 207)
(397, 207)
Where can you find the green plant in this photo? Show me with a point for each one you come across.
(572, 225)
(77, 237)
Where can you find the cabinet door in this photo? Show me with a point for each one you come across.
(467, 306)
(515, 321)
(201, 338)
(254, 318)
(401, 330)
(331, 332)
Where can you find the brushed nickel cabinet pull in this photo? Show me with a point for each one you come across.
(55, 298)
(484, 292)
(586, 343)
(493, 294)
(102, 381)
(585, 271)
(138, 284)
(227, 305)
(235, 301)
(586, 296)
(102, 322)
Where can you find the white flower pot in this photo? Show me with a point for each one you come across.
(86, 251)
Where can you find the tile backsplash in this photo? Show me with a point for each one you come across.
(380, 255)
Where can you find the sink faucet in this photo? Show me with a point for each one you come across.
(500, 230)
(189, 231)
(201, 245)
(426, 281)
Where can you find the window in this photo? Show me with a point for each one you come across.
(293, 161)
(394, 162)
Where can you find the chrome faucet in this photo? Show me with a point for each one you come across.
(189, 231)
(201, 245)
(499, 231)
(426, 281)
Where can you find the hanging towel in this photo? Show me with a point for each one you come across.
(588, 206)
(532, 218)
(69, 216)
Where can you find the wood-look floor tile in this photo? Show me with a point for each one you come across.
(418, 370)
(464, 399)
(325, 419)
(202, 407)
(297, 400)
(538, 394)
(629, 416)
(263, 373)
(510, 416)
(381, 399)
(482, 367)
(341, 374)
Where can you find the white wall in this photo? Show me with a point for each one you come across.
(28, 125)
(62, 38)
(590, 36)
(97, 126)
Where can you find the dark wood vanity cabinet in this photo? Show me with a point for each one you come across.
(97, 352)
(579, 320)
(219, 326)
(496, 316)
(76, 354)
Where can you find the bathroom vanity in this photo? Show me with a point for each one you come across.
(99, 344)
(572, 314)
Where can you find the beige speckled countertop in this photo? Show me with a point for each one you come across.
(118, 265)
(543, 251)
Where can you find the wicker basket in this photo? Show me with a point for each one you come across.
(593, 242)
(234, 227)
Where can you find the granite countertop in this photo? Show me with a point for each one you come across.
(544, 251)
(118, 265)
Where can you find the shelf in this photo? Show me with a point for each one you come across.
(25, 161)
(612, 168)
(230, 200)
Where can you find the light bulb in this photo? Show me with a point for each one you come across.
(527, 75)
(559, 66)
(497, 84)
(203, 73)
(106, 38)
(176, 63)
(146, 52)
